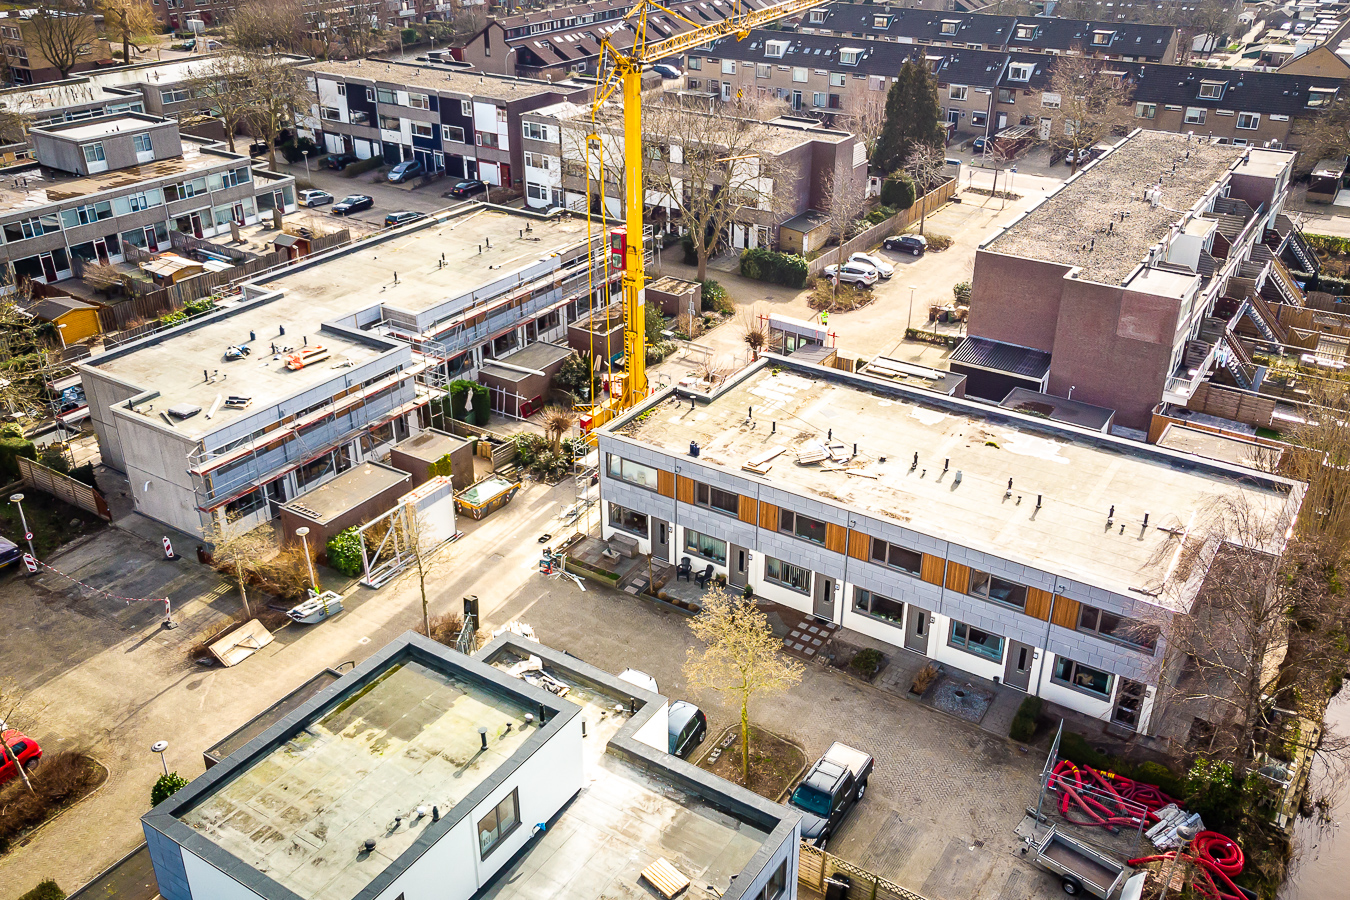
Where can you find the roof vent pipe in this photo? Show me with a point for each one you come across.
(482, 736)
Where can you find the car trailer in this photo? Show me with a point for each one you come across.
(1084, 870)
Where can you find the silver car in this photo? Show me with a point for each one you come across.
(853, 273)
(884, 269)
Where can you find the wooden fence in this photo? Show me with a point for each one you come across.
(898, 222)
(1239, 406)
(814, 866)
(63, 487)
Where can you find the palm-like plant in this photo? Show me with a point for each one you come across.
(557, 424)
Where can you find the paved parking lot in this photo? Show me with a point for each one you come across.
(388, 197)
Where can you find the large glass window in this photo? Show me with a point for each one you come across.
(631, 472)
(888, 554)
(497, 825)
(877, 606)
(1120, 629)
(982, 584)
(789, 576)
(1080, 677)
(627, 520)
(973, 640)
(713, 498)
(777, 883)
(802, 526)
(709, 548)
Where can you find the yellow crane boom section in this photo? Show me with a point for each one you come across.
(627, 73)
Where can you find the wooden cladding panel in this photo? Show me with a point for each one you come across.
(836, 537)
(958, 578)
(684, 489)
(1065, 614)
(932, 569)
(768, 516)
(1038, 603)
(665, 483)
(859, 545)
(749, 510)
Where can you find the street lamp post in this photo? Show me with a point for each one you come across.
(909, 322)
(303, 532)
(305, 154)
(17, 500)
(59, 334)
(159, 747)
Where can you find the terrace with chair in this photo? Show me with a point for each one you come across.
(618, 562)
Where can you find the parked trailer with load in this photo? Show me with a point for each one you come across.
(1084, 870)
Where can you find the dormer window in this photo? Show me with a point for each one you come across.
(849, 56)
(775, 49)
(1320, 97)
(949, 26)
(1026, 32)
(1212, 90)
(1102, 38)
(816, 16)
(882, 22)
(1020, 71)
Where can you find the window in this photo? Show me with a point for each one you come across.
(763, 70)
(878, 607)
(786, 574)
(798, 74)
(1212, 90)
(957, 92)
(487, 139)
(370, 95)
(1049, 100)
(816, 16)
(537, 160)
(84, 215)
(693, 84)
(141, 143)
(1119, 629)
(31, 228)
(876, 82)
(982, 584)
(1026, 32)
(1020, 71)
(818, 99)
(452, 133)
(536, 131)
(331, 113)
(1102, 38)
(802, 526)
(466, 107)
(973, 640)
(627, 520)
(384, 95)
(775, 49)
(695, 62)
(1007, 95)
(389, 123)
(949, 26)
(896, 557)
(849, 56)
(978, 118)
(423, 129)
(1145, 110)
(1195, 116)
(631, 472)
(710, 548)
(1249, 121)
(728, 67)
(497, 825)
(1080, 677)
(1320, 97)
(536, 191)
(342, 89)
(838, 79)
(777, 883)
(174, 95)
(712, 498)
(419, 101)
(93, 153)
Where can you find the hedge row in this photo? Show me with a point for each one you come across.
(1340, 287)
(787, 269)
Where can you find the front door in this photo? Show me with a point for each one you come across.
(151, 241)
(1017, 671)
(661, 539)
(48, 267)
(1002, 121)
(738, 568)
(101, 250)
(824, 605)
(916, 630)
(1129, 704)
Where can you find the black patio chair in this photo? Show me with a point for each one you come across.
(684, 569)
(705, 576)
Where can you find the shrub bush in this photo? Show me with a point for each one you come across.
(1216, 793)
(715, 299)
(459, 396)
(961, 293)
(866, 662)
(879, 215)
(939, 241)
(166, 787)
(13, 445)
(46, 890)
(787, 269)
(898, 191)
(1024, 723)
(409, 35)
(1157, 774)
(362, 165)
(344, 552)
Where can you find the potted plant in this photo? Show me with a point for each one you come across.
(924, 679)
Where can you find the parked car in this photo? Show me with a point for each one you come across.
(834, 785)
(340, 161)
(354, 203)
(907, 243)
(410, 168)
(258, 148)
(21, 747)
(314, 198)
(641, 679)
(884, 269)
(9, 552)
(853, 273)
(666, 70)
(688, 728)
(399, 218)
(978, 145)
(467, 188)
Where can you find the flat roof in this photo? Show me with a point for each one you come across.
(1080, 223)
(1078, 474)
(100, 127)
(1226, 447)
(537, 356)
(449, 79)
(430, 445)
(353, 487)
(409, 738)
(480, 246)
(1058, 409)
(88, 87)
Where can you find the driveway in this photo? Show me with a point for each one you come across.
(388, 197)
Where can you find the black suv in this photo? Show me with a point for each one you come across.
(835, 783)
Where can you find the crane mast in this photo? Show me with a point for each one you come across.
(625, 75)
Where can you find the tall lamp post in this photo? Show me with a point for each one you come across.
(909, 322)
(303, 532)
(17, 500)
(305, 154)
(59, 333)
(159, 747)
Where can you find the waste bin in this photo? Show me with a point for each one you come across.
(836, 887)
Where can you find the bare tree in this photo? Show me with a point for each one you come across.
(754, 329)
(1092, 103)
(223, 90)
(267, 25)
(868, 119)
(1323, 136)
(924, 166)
(277, 90)
(466, 19)
(741, 659)
(133, 22)
(24, 356)
(64, 33)
(236, 553)
(847, 202)
(712, 168)
(11, 704)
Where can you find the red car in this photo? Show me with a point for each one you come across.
(22, 747)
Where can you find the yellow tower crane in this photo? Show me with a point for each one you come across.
(624, 73)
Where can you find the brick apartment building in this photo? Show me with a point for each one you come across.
(25, 59)
(1122, 288)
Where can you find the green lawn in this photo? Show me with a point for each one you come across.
(50, 520)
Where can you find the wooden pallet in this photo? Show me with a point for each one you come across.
(667, 879)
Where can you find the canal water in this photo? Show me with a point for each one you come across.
(1322, 849)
